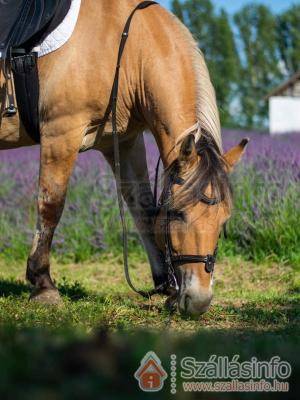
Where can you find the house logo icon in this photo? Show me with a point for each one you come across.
(150, 374)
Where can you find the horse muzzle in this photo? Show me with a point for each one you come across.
(194, 303)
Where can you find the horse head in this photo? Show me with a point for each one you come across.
(195, 205)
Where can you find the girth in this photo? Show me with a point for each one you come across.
(26, 80)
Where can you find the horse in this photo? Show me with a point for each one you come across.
(164, 86)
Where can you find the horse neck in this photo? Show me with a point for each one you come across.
(170, 106)
(170, 121)
(175, 91)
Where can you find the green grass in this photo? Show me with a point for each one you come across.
(246, 295)
(78, 350)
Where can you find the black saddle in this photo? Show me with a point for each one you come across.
(25, 23)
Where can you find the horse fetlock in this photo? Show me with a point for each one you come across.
(39, 275)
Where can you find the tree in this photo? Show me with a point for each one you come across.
(260, 70)
(247, 64)
(224, 66)
(288, 37)
(214, 35)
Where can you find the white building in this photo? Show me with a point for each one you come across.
(284, 107)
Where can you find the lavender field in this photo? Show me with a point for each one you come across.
(264, 226)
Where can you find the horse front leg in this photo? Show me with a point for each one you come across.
(58, 155)
(136, 190)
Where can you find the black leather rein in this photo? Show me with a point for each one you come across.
(172, 261)
(112, 108)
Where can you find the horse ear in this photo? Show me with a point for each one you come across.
(234, 155)
(188, 151)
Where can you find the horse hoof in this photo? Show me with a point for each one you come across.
(46, 296)
(171, 303)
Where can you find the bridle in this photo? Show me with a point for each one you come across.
(173, 261)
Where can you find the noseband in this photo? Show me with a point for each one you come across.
(173, 261)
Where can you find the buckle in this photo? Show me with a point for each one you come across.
(9, 111)
(209, 264)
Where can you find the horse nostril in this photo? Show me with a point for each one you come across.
(194, 306)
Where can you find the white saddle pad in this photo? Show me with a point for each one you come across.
(62, 33)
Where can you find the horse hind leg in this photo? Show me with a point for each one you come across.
(58, 154)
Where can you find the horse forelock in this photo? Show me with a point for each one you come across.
(209, 173)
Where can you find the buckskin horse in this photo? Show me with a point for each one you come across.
(164, 85)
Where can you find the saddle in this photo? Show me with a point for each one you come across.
(24, 24)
